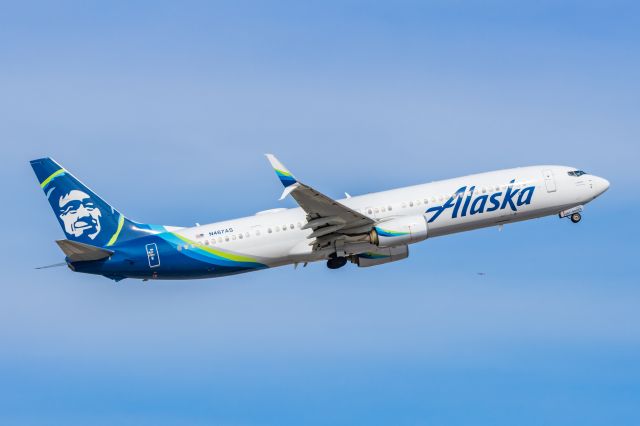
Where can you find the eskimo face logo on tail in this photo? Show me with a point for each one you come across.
(79, 214)
(463, 206)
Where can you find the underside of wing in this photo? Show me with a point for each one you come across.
(330, 220)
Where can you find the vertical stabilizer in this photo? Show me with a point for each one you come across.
(83, 215)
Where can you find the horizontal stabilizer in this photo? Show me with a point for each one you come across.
(80, 252)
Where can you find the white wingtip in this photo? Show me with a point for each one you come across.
(275, 163)
(285, 176)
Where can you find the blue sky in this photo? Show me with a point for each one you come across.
(166, 109)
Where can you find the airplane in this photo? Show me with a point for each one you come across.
(366, 230)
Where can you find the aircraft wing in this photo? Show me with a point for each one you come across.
(327, 217)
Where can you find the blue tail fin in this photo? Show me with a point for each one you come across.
(83, 215)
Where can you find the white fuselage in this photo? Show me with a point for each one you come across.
(276, 236)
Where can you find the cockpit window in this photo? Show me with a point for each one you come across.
(576, 173)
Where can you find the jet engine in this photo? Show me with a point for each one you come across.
(380, 256)
(399, 231)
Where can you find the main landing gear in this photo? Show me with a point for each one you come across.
(576, 217)
(336, 262)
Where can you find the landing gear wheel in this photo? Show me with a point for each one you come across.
(336, 262)
(575, 218)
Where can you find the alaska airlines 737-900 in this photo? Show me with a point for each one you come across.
(366, 230)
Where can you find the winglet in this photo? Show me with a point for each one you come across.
(284, 175)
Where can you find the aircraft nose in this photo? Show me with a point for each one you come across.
(601, 185)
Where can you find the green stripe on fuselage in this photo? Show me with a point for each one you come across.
(223, 255)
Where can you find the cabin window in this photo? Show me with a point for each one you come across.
(291, 226)
(179, 248)
(226, 238)
(389, 208)
(377, 210)
(269, 230)
(284, 227)
(426, 201)
(370, 211)
(246, 234)
(404, 205)
(240, 236)
(410, 203)
(277, 228)
(299, 225)
(219, 239)
(383, 209)
(258, 233)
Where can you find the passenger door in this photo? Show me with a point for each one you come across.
(549, 181)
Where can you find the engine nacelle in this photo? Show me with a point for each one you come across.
(380, 256)
(399, 231)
